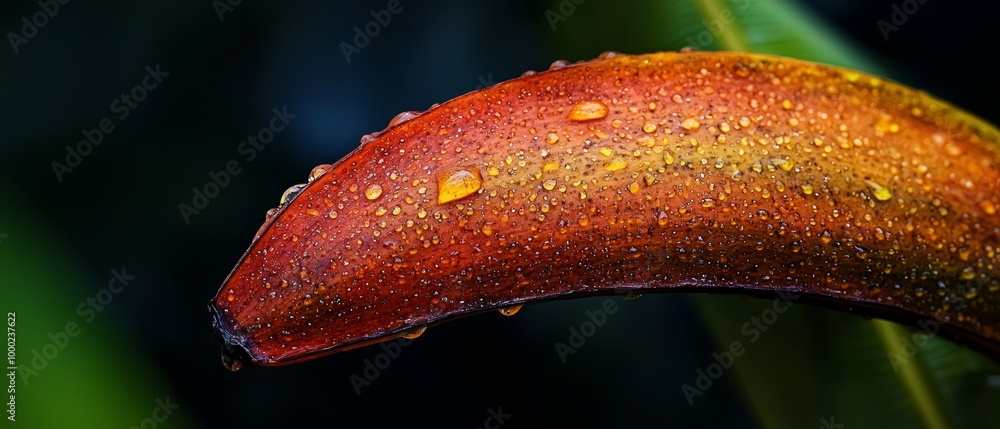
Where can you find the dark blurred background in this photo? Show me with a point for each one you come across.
(62, 234)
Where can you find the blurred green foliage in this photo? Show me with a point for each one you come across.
(71, 373)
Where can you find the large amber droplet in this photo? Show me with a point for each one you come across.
(373, 192)
(458, 183)
(588, 110)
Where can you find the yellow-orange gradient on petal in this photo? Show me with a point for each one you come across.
(721, 172)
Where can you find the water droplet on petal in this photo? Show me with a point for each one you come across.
(373, 192)
(690, 124)
(318, 171)
(511, 310)
(403, 117)
(558, 64)
(230, 361)
(588, 110)
(369, 137)
(290, 193)
(458, 183)
(880, 192)
(414, 333)
(662, 218)
(608, 54)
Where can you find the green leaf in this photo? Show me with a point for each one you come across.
(777, 27)
(912, 374)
